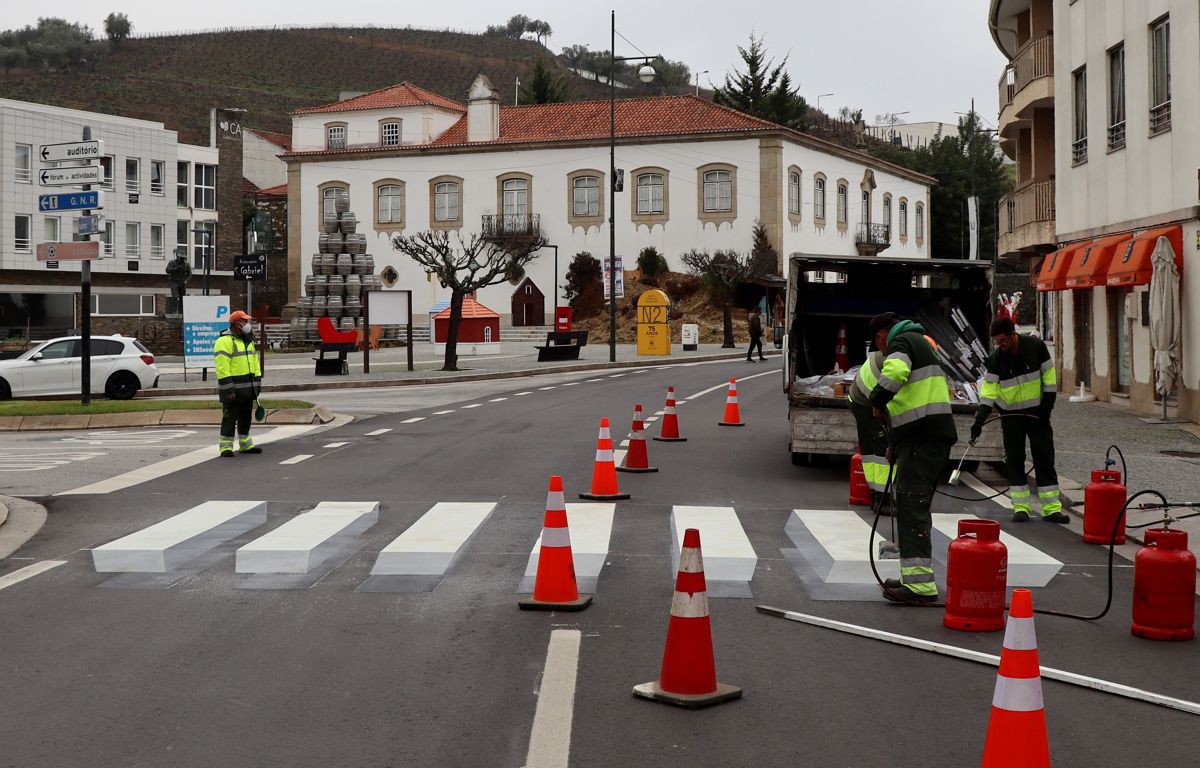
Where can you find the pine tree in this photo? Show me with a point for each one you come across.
(763, 91)
(545, 86)
(764, 259)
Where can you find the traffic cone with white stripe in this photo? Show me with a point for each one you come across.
(841, 352)
(1016, 733)
(733, 414)
(688, 676)
(604, 474)
(669, 426)
(555, 588)
(636, 458)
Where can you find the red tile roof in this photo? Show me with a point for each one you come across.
(395, 96)
(249, 188)
(471, 309)
(276, 191)
(281, 140)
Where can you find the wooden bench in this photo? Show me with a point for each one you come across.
(335, 341)
(562, 345)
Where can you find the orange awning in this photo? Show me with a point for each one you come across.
(1053, 276)
(1090, 267)
(1132, 266)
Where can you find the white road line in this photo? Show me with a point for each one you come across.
(593, 381)
(379, 432)
(497, 400)
(297, 458)
(29, 571)
(616, 376)
(522, 394)
(640, 370)
(543, 389)
(659, 413)
(726, 384)
(550, 738)
(624, 444)
(728, 553)
(472, 405)
(571, 384)
(651, 419)
(983, 489)
(335, 445)
(413, 420)
(443, 413)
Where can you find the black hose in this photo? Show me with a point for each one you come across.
(1108, 460)
(992, 420)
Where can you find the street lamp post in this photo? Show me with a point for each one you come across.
(819, 97)
(646, 75)
(555, 247)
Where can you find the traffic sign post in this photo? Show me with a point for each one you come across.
(71, 201)
(72, 150)
(71, 176)
(92, 224)
(250, 268)
(76, 251)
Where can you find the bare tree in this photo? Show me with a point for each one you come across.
(723, 272)
(465, 266)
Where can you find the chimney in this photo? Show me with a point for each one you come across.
(483, 111)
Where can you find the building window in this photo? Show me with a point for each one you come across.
(335, 136)
(919, 223)
(903, 214)
(23, 165)
(389, 203)
(887, 215)
(205, 187)
(205, 240)
(133, 169)
(133, 240)
(865, 213)
(794, 193)
(157, 247)
(1116, 97)
(50, 229)
(182, 236)
(843, 203)
(718, 191)
(181, 183)
(127, 304)
(157, 172)
(389, 133)
(445, 202)
(650, 191)
(328, 196)
(21, 227)
(585, 196)
(106, 164)
(515, 197)
(1079, 94)
(819, 198)
(110, 235)
(1160, 76)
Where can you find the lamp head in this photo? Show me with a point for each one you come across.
(646, 73)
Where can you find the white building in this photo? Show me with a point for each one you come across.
(1127, 149)
(155, 191)
(696, 175)
(260, 157)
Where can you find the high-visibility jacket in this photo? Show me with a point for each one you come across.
(237, 367)
(1021, 381)
(912, 388)
(865, 381)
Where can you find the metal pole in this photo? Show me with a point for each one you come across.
(85, 327)
(207, 259)
(366, 337)
(612, 190)
(555, 247)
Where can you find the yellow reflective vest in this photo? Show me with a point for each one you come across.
(1022, 381)
(237, 367)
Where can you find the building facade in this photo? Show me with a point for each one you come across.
(696, 175)
(1127, 157)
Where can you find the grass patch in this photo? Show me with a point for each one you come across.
(66, 408)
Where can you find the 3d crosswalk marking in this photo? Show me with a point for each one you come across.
(303, 542)
(843, 536)
(430, 545)
(728, 554)
(591, 526)
(1028, 566)
(178, 539)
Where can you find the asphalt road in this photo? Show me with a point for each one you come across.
(201, 669)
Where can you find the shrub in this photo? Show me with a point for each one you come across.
(651, 263)
(583, 289)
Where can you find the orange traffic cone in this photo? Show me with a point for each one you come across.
(554, 588)
(733, 415)
(1017, 730)
(604, 474)
(689, 675)
(841, 353)
(636, 458)
(669, 430)
(860, 491)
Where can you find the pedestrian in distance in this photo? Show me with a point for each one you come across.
(1022, 384)
(239, 380)
(756, 333)
(912, 399)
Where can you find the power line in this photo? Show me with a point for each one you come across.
(626, 39)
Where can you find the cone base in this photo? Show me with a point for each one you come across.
(529, 604)
(604, 496)
(671, 439)
(731, 423)
(1158, 633)
(652, 692)
(637, 469)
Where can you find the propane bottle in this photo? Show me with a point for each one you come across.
(860, 491)
(1164, 587)
(1103, 500)
(976, 578)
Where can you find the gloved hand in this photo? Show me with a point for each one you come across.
(976, 431)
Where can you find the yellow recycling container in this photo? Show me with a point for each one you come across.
(654, 333)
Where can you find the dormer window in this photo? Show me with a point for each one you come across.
(335, 136)
(389, 133)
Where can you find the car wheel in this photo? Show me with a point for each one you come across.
(122, 385)
(5, 390)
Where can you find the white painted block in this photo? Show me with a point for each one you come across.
(728, 555)
(1028, 566)
(590, 525)
(308, 538)
(844, 537)
(177, 539)
(431, 544)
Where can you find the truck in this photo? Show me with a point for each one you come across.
(830, 295)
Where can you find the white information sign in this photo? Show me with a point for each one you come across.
(204, 317)
(71, 176)
(390, 307)
(620, 278)
(691, 336)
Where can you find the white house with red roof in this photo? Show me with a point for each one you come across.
(696, 175)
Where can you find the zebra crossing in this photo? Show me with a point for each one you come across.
(829, 555)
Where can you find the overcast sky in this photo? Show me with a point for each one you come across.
(924, 57)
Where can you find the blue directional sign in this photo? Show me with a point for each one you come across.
(71, 201)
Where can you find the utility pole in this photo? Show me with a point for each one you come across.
(85, 297)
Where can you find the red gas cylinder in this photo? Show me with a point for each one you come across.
(1102, 502)
(860, 491)
(1164, 587)
(976, 578)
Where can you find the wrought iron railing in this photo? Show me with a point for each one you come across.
(1160, 118)
(1116, 136)
(1079, 151)
(511, 225)
(873, 234)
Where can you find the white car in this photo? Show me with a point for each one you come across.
(120, 367)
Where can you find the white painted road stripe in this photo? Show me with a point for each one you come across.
(335, 445)
(522, 394)
(297, 458)
(616, 376)
(550, 738)
(983, 489)
(651, 419)
(164, 545)
(443, 413)
(591, 526)
(543, 389)
(728, 554)
(725, 385)
(843, 536)
(431, 544)
(413, 420)
(1027, 565)
(472, 405)
(571, 384)
(303, 542)
(497, 400)
(379, 432)
(28, 572)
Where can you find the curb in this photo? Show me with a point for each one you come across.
(409, 382)
(316, 415)
(24, 520)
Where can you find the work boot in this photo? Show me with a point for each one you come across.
(1056, 517)
(1020, 516)
(895, 591)
(226, 453)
